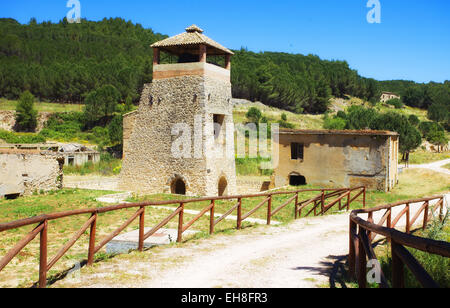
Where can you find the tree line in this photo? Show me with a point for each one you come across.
(64, 62)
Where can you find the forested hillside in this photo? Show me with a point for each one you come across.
(65, 62)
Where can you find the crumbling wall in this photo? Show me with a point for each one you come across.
(339, 161)
(8, 120)
(29, 172)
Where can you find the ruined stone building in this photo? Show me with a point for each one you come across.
(78, 155)
(73, 154)
(192, 94)
(337, 159)
(386, 96)
(24, 171)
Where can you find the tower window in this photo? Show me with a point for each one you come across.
(218, 124)
(297, 151)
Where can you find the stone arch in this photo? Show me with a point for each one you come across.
(222, 185)
(296, 179)
(178, 185)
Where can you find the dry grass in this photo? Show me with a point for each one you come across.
(420, 157)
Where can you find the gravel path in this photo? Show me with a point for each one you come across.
(436, 166)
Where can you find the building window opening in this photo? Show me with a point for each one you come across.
(297, 180)
(218, 124)
(297, 151)
(71, 161)
(187, 58)
(178, 187)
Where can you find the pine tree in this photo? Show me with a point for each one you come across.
(26, 115)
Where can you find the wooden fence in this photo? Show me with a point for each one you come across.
(363, 232)
(342, 197)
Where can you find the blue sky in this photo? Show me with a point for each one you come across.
(412, 42)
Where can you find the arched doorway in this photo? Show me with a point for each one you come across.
(296, 179)
(178, 187)
(223, 187)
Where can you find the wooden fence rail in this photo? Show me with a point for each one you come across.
(362, 233)
(91, 223)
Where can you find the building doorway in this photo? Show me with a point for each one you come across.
(178, 187)
(297, 180)
(223, 187)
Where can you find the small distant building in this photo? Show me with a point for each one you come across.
(25, 171)
(73, 154)
(386, 96)
(337, 159)
(78, 155)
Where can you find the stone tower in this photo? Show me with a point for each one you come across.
(181, 140)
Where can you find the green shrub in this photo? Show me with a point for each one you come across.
(397, 103)
(21, 138)
(336, 123)
(26, 115)
(252, 166)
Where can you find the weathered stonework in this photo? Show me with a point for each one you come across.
(8, 120)
(192, 100)
(27, 172)
(339, 159)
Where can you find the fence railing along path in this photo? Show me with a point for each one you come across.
(363, 232)
(320, 204)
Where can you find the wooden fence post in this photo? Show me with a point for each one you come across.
(43, 256)
(92, 232)
(408, 221)
(398, 277)
(425, 215)
(296, 206)
(352, 252)
(323, 203)
(269, 210)
(348, 199)
(370, 219)
(180, 224)
(211, 218)
(141, 229)
(362, 262)
(441, 210)
(364, 197)
(239, 214)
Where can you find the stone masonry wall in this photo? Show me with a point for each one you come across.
(30, 172)
(149, 166)
(339, 161)
(8, 120)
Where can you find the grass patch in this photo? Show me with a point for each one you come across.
(420, 157)
(436, 266)
(42, 106)
(22, 138)
(252, 166)
(106, 167)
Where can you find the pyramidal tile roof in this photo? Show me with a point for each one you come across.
(193, 36)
